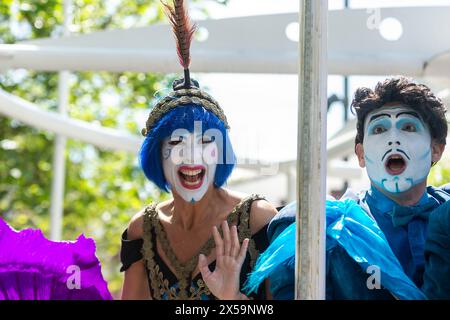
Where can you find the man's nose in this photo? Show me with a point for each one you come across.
(390, 143)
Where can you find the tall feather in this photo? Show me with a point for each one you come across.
(183, 30)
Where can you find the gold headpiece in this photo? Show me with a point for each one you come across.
(182, 97)
(186, 90)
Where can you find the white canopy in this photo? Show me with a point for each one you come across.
(256, 44)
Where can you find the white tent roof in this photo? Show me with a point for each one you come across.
(256, 44)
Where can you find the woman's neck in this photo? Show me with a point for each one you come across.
(190, 215)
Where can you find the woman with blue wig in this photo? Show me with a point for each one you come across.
(174, 249)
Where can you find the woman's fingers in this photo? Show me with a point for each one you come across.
(226, 238)
(234, 242)
(203, 266)
(229, 245)
(218, 241)
(243, 251)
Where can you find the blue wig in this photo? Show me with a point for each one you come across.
(184, 117)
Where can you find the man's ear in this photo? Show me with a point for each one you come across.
(359, 150)
(437, 149)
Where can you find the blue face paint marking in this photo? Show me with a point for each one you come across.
(413, 121)
(384, 123)
(167, 153)
(396, 179)
(192, 200)
(382, 183)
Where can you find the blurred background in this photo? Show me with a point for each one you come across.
(103, 185)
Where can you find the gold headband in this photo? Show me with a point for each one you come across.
(181, 97)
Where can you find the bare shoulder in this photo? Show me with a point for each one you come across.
(136, 226)
(233, 196)
(261, 213)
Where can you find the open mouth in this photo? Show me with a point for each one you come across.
(395, 164)
(191, 177)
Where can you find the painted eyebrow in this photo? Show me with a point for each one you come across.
(411, 113)
(378, 116)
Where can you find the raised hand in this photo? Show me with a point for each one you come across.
(230, 255)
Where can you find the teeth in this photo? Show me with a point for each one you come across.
(191, 183)
(190, 172)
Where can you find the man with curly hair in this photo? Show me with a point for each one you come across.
(393, 240)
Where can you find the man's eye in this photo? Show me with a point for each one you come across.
(409, 127)
(378, 130)
(206, 139)
(175, 142)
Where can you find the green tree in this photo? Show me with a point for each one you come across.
(440, 173)
(103, 188)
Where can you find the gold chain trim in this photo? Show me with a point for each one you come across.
(244, 227)
(159, 285)
(183, 97)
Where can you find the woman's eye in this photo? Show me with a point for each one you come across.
(378, 130)
(409, 127)
(206, 139)
(175, 142)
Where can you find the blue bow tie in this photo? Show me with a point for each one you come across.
(403, 215)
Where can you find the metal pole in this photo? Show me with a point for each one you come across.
(311, 161)
(59, 159)
(291, 181)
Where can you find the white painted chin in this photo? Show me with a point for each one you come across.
(397, 184)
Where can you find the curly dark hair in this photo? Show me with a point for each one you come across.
(401, 89)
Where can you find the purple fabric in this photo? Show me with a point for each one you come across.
(35, 268)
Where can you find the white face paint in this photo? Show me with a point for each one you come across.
(189, 162)
(397, 148)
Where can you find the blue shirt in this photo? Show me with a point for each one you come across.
(407, 242)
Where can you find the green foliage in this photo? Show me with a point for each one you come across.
(440, 173)
(103, 188)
